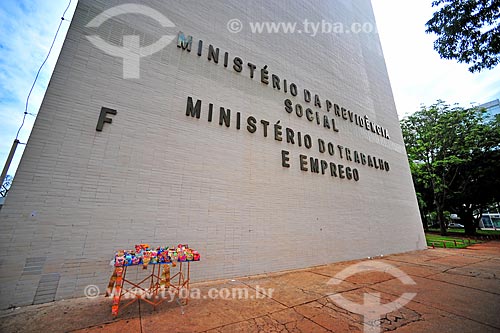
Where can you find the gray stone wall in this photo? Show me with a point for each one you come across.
(158, 176)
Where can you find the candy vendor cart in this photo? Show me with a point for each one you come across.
(158, 285)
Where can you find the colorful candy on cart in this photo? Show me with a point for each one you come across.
(144, 254)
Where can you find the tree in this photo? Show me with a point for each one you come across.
(424, 195)
(468, 30)
(439, 141)
(477, 184)
(476, 187)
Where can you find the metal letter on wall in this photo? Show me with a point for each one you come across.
(184, 42)
(103, 118)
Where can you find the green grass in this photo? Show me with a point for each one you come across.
(450, 242)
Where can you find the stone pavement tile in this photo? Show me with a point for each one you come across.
(296, 288)
(286, 316)
(268, 324)
(428, 263)
(473, 253)
(419, 257)
(421, 270)
(415, 317)
(488, 250)
(261, 324)
(120, 326)
(440, 264)
(434, 320)
(401, 316)
(326, 287)
(204, 314)
(488, 284)
(329, 316)
(287, 320)
(291, 296)
(296, 279)
(64, 315)
(332, 269)
(462, 301)
(358, 279)
(492, 248)
(489, 269)
(171, 317)
(305, 325)
(454, 260)
(368, 278)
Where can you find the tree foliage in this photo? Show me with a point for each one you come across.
(468, 31)
(477, 184)
(453, 154)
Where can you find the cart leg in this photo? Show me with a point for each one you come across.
(187, 284)
(120, 275)
(111, 283)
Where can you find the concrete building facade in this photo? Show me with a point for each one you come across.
(492, 108)
(265, 151)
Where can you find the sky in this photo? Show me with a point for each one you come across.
(417, 73)
(418, 76)
(27, 28)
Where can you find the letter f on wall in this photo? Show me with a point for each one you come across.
(103, 118)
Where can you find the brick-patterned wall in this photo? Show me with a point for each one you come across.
(155, 175)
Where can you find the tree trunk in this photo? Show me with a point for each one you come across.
(440, 218)
(470, 228)
(467, 219)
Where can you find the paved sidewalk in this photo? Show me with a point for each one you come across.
(457, 290)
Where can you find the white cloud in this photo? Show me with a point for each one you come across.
(28, 28)
(417, 73)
